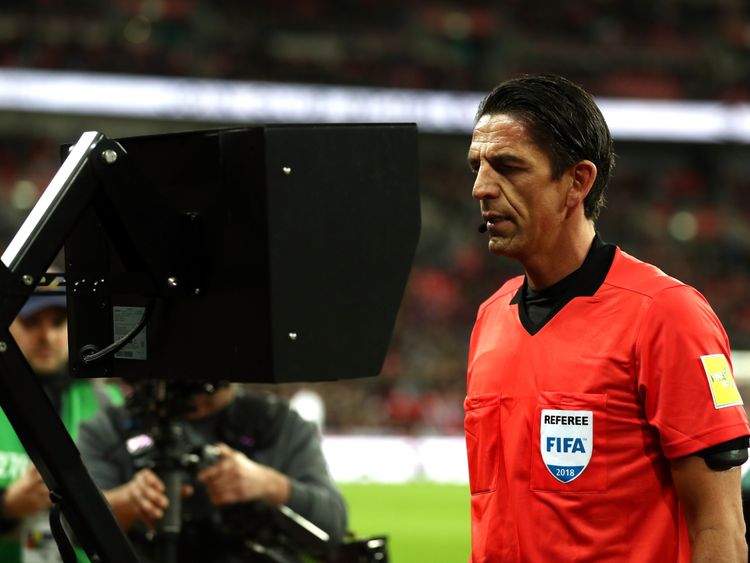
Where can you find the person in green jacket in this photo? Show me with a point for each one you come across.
(41, 331)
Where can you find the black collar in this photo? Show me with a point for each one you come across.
(537, 308)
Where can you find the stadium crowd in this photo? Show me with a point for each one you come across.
(685, 208)
(686, 49)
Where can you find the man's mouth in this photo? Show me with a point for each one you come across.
(43, 353)
(495, 221)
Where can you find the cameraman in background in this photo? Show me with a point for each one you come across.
(265, 456)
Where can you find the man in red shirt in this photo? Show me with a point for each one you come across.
(602, 422)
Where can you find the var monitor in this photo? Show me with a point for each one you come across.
(260, 254)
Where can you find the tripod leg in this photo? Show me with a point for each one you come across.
(171, 524)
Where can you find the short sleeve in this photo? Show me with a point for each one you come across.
(685, 374)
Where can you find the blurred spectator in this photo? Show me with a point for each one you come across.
(41, 331)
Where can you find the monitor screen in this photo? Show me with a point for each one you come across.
(260, 254)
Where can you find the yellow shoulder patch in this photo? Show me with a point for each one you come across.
(721, 381)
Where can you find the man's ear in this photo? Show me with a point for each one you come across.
(582, 175)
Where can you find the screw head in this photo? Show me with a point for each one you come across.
(172, 281)
(109, 156)
(286, 170)
(27, 279)
(3, 346)
(292, 336)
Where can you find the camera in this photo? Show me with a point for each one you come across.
(156, 435)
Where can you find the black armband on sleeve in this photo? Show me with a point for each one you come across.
(726, 455)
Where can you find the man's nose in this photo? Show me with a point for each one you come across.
(484, 186)
(48, 332)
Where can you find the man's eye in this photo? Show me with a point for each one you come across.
(506, 169)
(30, 322)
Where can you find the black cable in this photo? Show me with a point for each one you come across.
(64, 545)
(117, 346)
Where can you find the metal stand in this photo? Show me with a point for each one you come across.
(22, 398)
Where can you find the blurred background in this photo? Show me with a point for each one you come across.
(673, 79)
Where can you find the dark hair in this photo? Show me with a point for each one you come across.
(564, 121)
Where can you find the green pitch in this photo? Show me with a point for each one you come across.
(424, 522)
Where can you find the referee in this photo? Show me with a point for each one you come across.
(602, 418)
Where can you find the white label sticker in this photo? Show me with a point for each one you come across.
(124, 320)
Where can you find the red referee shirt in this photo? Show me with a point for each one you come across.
(569, 431)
